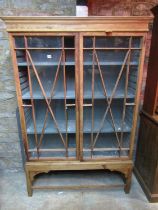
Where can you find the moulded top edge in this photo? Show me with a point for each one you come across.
(77, 24)
(67, 18)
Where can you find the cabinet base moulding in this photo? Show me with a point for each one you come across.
(34, 168)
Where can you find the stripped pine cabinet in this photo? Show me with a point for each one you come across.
(78, 83)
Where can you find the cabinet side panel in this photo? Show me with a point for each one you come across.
(19, 96)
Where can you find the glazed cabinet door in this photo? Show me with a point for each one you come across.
(47, 81)
(109, 80)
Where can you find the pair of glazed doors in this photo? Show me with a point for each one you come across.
(78, 93)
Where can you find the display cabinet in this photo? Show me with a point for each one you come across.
(146, 164)
(78, 84)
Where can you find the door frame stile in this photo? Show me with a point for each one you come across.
(137, 97)
(77, 96)
(81, 93)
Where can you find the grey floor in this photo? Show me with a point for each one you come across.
(13, 194)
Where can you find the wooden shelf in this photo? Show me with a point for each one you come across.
(47, 64)
(70, 94)
(50, 129)
(112, 63)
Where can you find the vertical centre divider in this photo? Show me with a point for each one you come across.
(138, 91)
(93, 74)
(80, 90)
(65, 102)
(77, 93)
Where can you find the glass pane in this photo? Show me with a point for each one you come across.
(70, 57)
(112, 42)
(100, 107)
(132, 81)
(57, 107)
(135, 56)
(19, 42)
(45, 42)
(136, 42)
(106, 146)
(88, 42)
(69, 42)
(20, 55)
(52, 142)
(45, 56)
(111, 57)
